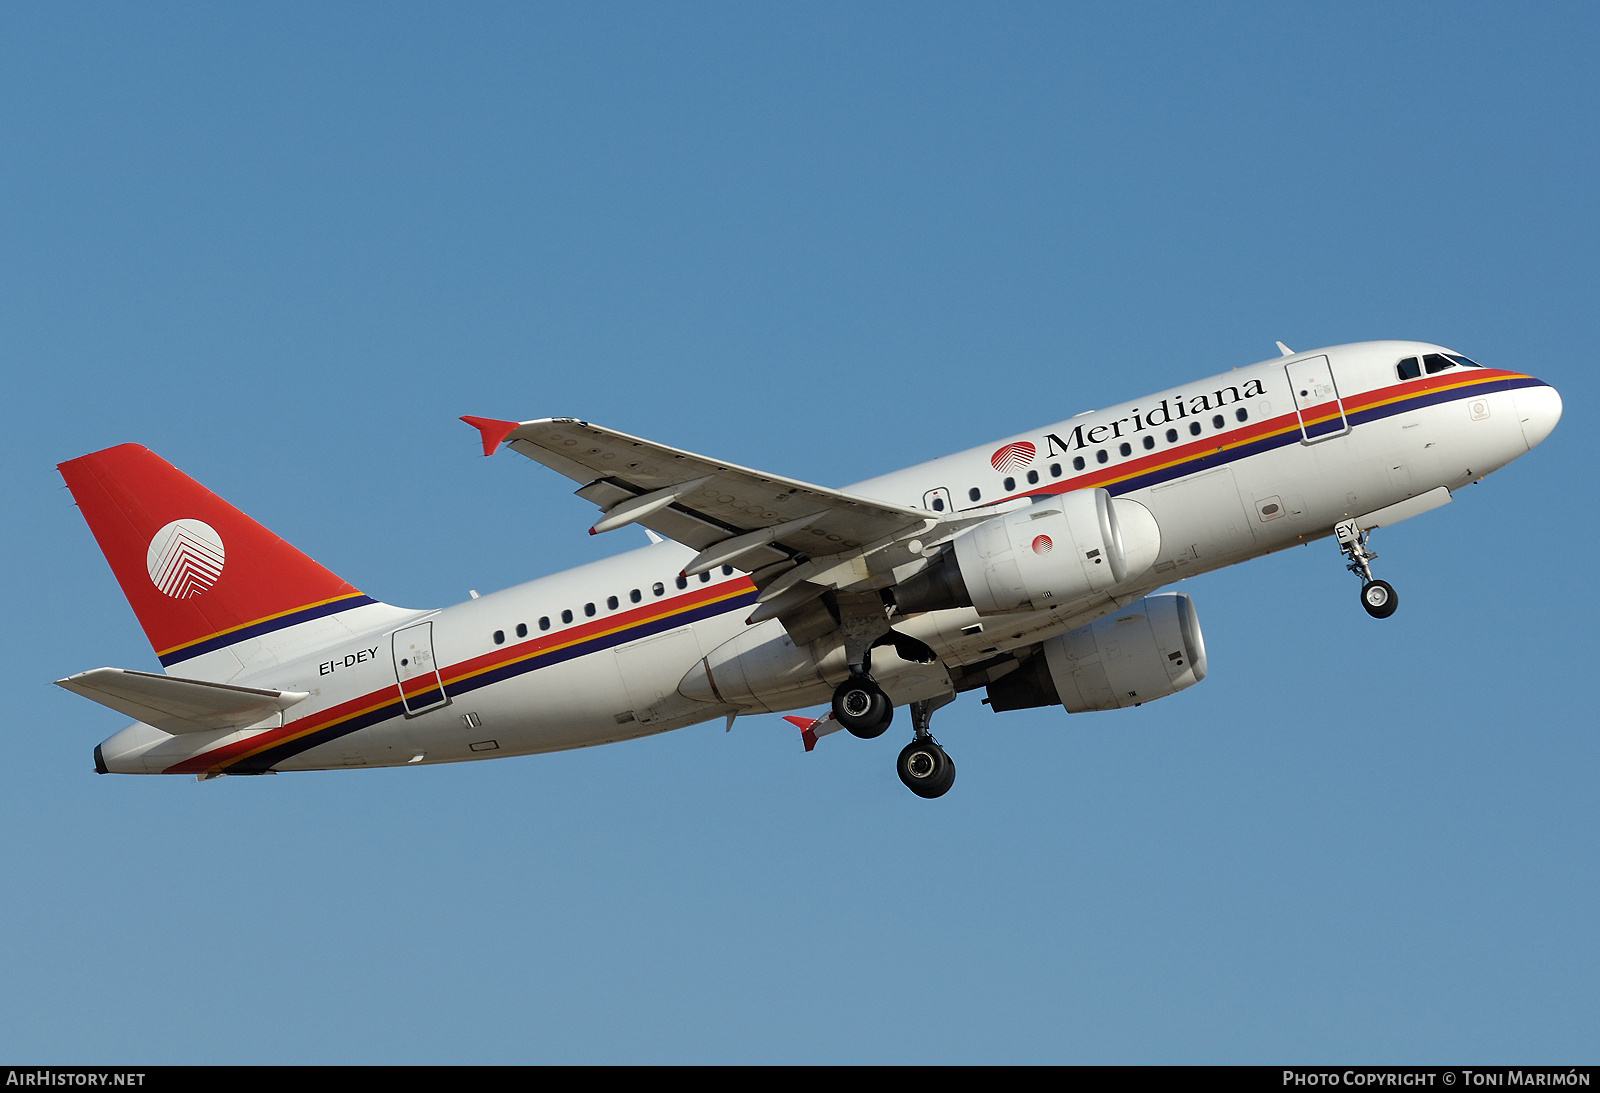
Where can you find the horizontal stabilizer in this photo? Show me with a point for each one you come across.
(179, 705)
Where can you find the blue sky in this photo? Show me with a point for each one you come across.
(286, 247)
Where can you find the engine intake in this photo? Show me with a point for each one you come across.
(1050, 553)
(1147, 650)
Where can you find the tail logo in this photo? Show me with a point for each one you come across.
(185, 558)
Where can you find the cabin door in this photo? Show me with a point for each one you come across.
(416, 671)
(1316, 400)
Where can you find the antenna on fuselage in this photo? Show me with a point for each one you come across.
(1285, 350)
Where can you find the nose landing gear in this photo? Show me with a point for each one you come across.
(1378, 598)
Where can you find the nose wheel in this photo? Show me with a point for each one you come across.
(1378, 598)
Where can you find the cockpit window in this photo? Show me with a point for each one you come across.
(1465, 362)
(1437, 362)
(1409, 368)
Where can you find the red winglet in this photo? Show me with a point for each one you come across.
(805, 725)
(493, 431)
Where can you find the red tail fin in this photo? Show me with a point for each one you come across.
(199, 574)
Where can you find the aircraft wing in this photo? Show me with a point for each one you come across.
(781, 531)
(179, 705)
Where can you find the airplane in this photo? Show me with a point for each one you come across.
(1028, 568)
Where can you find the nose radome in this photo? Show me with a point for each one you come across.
(1538, 408)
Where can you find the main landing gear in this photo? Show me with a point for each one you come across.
(923, 765)
(860, 705)
(1378, 598)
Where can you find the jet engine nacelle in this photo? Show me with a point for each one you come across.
(1050, 553)
(1147, 650)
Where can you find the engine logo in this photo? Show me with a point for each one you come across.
(1013, 456)
(185, 558)
(1043, 545)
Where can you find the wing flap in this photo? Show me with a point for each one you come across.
(177, 705)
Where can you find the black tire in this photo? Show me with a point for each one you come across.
(862, 708)
(1379, 599)
(925, 769)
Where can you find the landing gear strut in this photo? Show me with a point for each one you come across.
(859, 704)
(1378, 598)
(923, 765)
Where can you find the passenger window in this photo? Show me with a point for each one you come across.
(1077, 462)
(1172, 436)
(973, 493)
(704, 577)
(1437, 362)
(522, 629)
(727, 571)
(1242, 414)
(611, 603)
(658, 589)
(938, 504)
(499, 637)
(1194, 428)
(635, 596)
(1055, 470)
(1149, 442)
(1409, 369)
(1217, 421)
(1010, 484)
(544, 622)
(1033, 476)
(1125, 448)
(566, 616)
(588, 610)
(1101, 456)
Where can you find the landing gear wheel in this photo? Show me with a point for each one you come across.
(862, 708)
(925, 769)
(1379, 598)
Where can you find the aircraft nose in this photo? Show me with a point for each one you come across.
(1538, 408)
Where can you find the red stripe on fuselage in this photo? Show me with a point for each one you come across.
(239, 750)
(1139, 466)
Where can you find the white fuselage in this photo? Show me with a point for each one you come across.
(1226, 466)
